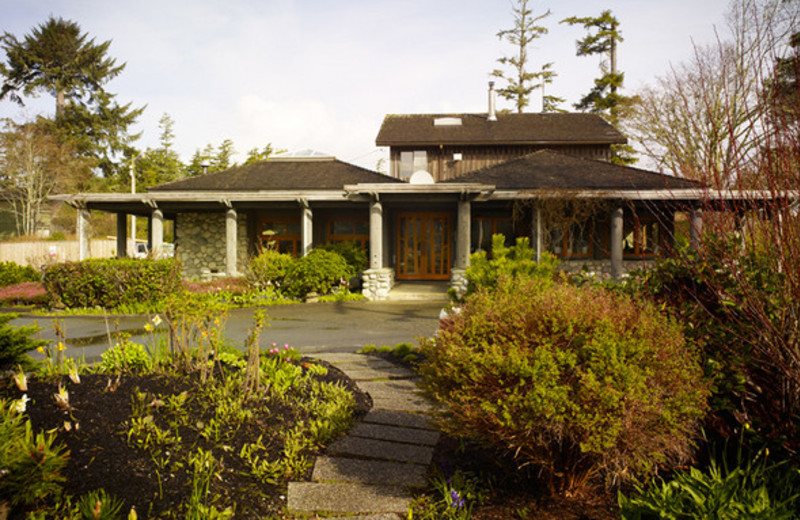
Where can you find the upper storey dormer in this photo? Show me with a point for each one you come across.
(450, 145)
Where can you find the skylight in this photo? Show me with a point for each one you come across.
(447, 121)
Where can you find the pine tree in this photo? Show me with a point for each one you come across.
(602, 39)
(58, 59)
(521, 82)
(162, 164)
(549, 102)
(256, 155)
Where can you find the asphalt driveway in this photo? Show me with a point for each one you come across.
(316, 327)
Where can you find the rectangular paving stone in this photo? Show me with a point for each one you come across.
(389, 387)
(395, 433)
(398, 418)
(341, 469)
(313, 497)
(369, 373)
(339, 357)
(402, 403)
(379, 516)
(381, 450)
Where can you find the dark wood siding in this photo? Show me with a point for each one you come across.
(442, 166)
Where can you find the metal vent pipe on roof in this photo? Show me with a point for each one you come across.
(492, 113)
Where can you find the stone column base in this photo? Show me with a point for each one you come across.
(458, 281)
(377, 283)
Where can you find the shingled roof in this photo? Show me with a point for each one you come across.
(547, 169)
(295, 174)
(475, 129)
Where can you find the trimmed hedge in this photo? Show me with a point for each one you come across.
(110, 283)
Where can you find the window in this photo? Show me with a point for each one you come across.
(412, 161)
(484, 227)
(352, 230)
(281, 234)
(576, 242)
(642, 236)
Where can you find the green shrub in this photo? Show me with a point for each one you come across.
(15, 343)
(753, 490)
(270, 267)
(733, 310)
(109, 283)
(579, 381)
(319, 271)
(126, 355)
(31, 465)
(509, 261)
(352, 253)
(12, 273)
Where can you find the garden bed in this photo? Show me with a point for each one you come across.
(99, 429)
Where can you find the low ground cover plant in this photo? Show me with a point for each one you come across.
(579, 382)
(24, 293)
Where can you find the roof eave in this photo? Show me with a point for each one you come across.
(525, 142)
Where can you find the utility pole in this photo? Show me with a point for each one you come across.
(133, 217)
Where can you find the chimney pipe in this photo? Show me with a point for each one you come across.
(492, 113)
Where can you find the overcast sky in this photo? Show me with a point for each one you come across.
(322, 74)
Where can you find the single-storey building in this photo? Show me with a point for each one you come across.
(454, 180)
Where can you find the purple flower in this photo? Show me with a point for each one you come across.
(455, 500)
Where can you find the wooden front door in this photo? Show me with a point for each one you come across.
(423, 246)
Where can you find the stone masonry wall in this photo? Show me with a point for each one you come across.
(201, 243)
(601, 268)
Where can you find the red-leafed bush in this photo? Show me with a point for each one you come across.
(577, 381)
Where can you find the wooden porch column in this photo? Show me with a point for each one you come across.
(696, 231)
(122, 235)
(375, 234)
(306, 228)
(156, 232)
(463, 233)
(231, 239)
(538, 239)
(83, 234)
(616, 242)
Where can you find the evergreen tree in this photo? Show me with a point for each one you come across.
(602, 39)
(162, 164)
(58, 59)
(549, 102)
(784, 87)
(223, 159)
(256, 155)
(520, 81)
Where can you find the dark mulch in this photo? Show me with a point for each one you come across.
(94, 432)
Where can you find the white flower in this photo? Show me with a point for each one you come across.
(156, 320)
(20, 405)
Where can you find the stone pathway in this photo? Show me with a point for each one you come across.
(372, 470)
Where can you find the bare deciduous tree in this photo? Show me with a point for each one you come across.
(704, 119)
(34, 164)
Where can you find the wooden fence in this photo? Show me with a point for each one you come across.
(38, 253)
